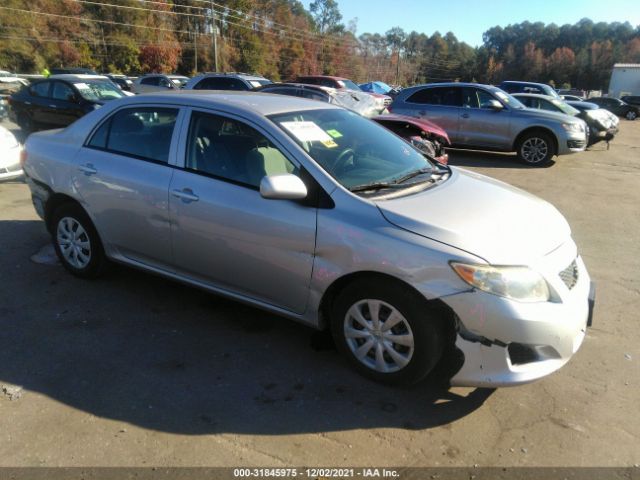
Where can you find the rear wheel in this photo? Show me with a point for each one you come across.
(536, 149)
(387, 332)
(631, 115)
(76, 242)
(26, 124)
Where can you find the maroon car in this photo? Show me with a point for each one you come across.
(343, 83)
(426, 135)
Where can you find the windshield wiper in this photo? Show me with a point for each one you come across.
(397, 182)
(375, 186)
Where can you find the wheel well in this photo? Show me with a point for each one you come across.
(54, 201)
(338, 285)
(534, 130)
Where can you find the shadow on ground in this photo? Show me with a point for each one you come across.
(140, 349)
(477, 158)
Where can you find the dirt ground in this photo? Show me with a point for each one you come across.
(135, 370)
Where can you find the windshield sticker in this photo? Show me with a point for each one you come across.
(82, 86)
(307, 131)
(334, 133)
(330, 144)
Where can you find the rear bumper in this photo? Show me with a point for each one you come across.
(507, 343)
(10, 164)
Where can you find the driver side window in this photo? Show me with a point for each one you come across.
(231, 150)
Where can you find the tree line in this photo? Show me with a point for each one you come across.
(280, 39)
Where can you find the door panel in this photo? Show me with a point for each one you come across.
(123, 176)
(127, 198)
(481, 126)
(224, 233)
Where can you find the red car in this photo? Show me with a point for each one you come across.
(426, 135)
(343, 83)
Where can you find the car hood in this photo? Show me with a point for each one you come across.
(546, 115)
(485, 217)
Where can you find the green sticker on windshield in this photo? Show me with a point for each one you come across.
(334, 133)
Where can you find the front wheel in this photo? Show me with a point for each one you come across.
(631, 115)
(388, 333)
(536, 149)
(76, 242)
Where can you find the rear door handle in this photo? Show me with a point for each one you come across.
(465, 115)
(88, 169)
(422, 112)
(27, 103)
(52, 106)
(186, 195)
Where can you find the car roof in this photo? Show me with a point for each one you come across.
(247, 102)
(584, 105)
(533, 95)
(77, 76)
(322, 76)
(519, 82)
(305, 86)
(244, 76)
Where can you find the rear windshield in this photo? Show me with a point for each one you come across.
(98, 90)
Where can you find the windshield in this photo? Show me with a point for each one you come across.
(100, 90)
(353, 150)
(179, 81)
(348, 84)
(259, 83)
(565, 107)
(508, 99)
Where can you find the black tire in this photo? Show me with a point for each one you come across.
(631, 115)
(536, 148)
(425, 323)
(62, 223)
(26, 124)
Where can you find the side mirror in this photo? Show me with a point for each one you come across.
(283, 187)
(493, 104)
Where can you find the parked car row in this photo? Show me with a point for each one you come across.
(537, 126)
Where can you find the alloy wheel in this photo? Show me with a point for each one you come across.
(534, 150)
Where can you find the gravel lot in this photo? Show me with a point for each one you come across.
(135, 370)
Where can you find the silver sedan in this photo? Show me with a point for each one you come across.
(313, 212)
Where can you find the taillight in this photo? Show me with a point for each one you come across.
(23, 157)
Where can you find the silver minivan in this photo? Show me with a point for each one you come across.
(313, 212)
(486, 118)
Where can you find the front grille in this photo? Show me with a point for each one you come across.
(387, 101)
(570, 275)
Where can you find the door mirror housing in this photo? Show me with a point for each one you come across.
(283, 187)
(493, 104)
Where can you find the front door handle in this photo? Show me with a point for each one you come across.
(52, 106)
(465, 115)
(186, 195)
(88, 169)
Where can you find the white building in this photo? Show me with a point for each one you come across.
(625, 80)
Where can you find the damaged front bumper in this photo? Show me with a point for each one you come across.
(506, 343)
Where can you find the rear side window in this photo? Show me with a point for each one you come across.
(143, 133)
(447, 96)
(40, 89)
(150, 81)
(220, 83)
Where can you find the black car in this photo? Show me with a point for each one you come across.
(60, 100)
(121, 81)
(631, 100)
(226, 81)
(601, 126)
(617, 106)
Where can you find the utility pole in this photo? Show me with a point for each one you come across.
(214, 33)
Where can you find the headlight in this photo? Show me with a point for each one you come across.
(8, 139)
(518, 283)
(573, 127)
